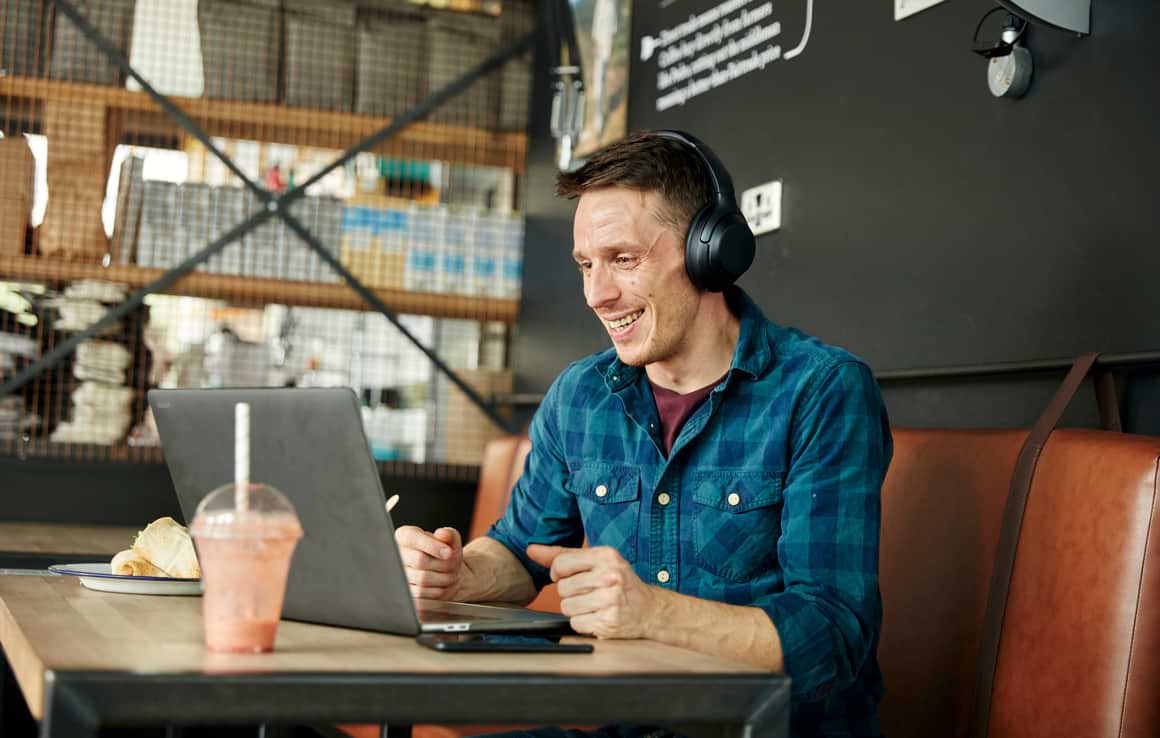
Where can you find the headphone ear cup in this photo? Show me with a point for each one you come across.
(715, 265)
(732, 247)
(697, 251)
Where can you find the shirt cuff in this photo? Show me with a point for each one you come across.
(541, 576)
(807, 645)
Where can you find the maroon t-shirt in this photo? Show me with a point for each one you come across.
(675, 408)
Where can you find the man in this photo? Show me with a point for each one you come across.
(726, 471)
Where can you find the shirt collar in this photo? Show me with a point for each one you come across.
(752, 354)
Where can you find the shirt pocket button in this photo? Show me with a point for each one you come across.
(601, 490)
(734, 499)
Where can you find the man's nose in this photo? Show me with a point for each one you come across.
(600, 288)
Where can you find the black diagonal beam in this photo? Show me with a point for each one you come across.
(274, 204)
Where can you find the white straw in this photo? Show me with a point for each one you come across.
(242, 456)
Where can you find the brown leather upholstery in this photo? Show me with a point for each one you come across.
(522, 449)
(495, 481)
(942, 503)
(1080, 652)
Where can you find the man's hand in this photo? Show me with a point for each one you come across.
(599, 591)
(433, 561)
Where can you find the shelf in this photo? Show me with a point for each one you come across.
(142, 119)
(45, 450)
(240, 290)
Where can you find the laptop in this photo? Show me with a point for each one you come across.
(310, 444)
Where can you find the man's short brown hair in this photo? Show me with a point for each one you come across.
(650, 163)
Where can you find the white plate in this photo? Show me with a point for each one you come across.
(101, 578)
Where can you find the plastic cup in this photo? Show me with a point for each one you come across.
(245, 557)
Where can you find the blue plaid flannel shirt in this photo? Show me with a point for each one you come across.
(773, 500)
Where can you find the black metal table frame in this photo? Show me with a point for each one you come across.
(77, 704)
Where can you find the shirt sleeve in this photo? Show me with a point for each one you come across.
(829, 614)
(541, 509)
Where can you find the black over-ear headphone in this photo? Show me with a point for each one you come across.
(720, 246)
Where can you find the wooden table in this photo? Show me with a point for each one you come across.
(85, 659)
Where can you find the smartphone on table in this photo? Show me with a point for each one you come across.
(499, 643)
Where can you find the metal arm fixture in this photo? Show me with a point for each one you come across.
(568, 87)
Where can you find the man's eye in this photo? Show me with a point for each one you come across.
(583, 266)
(625, 260)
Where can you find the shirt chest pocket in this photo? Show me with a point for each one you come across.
(608, 496)
(737, 522)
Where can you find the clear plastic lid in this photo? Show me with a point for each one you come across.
(257, 511)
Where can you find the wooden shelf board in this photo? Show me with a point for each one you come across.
(42, 448)
(241, 290)
(281, 123)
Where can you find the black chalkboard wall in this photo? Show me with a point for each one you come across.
(925, 223)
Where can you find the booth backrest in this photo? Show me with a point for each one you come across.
(1080, 651)
(495, 483)
(942, 505)
(1080, 647)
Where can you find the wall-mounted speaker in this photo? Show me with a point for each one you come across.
(1066, 15)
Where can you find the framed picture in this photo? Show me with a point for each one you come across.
(602, 30)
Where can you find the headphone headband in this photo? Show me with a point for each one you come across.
(718, 174)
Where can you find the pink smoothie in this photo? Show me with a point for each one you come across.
(244, 563)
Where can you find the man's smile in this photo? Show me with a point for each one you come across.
(624, 321)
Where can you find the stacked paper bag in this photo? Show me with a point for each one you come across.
(18, 166)
(100, 415)
(84, 303)
(16, 351)
(77, 171)
(102, 361)
(11, 417)
(101, 404)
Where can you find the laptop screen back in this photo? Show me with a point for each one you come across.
(308, 443)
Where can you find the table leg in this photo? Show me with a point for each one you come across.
(15, 720)
(67, 714)
(771, 718)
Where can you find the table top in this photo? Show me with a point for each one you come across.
(100, 541)
(53, 624)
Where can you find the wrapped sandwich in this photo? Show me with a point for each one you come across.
(132, 564)
(163, 549)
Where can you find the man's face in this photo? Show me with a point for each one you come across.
(634, 274)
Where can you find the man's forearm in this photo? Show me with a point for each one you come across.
(732, 631)
(494, 574)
